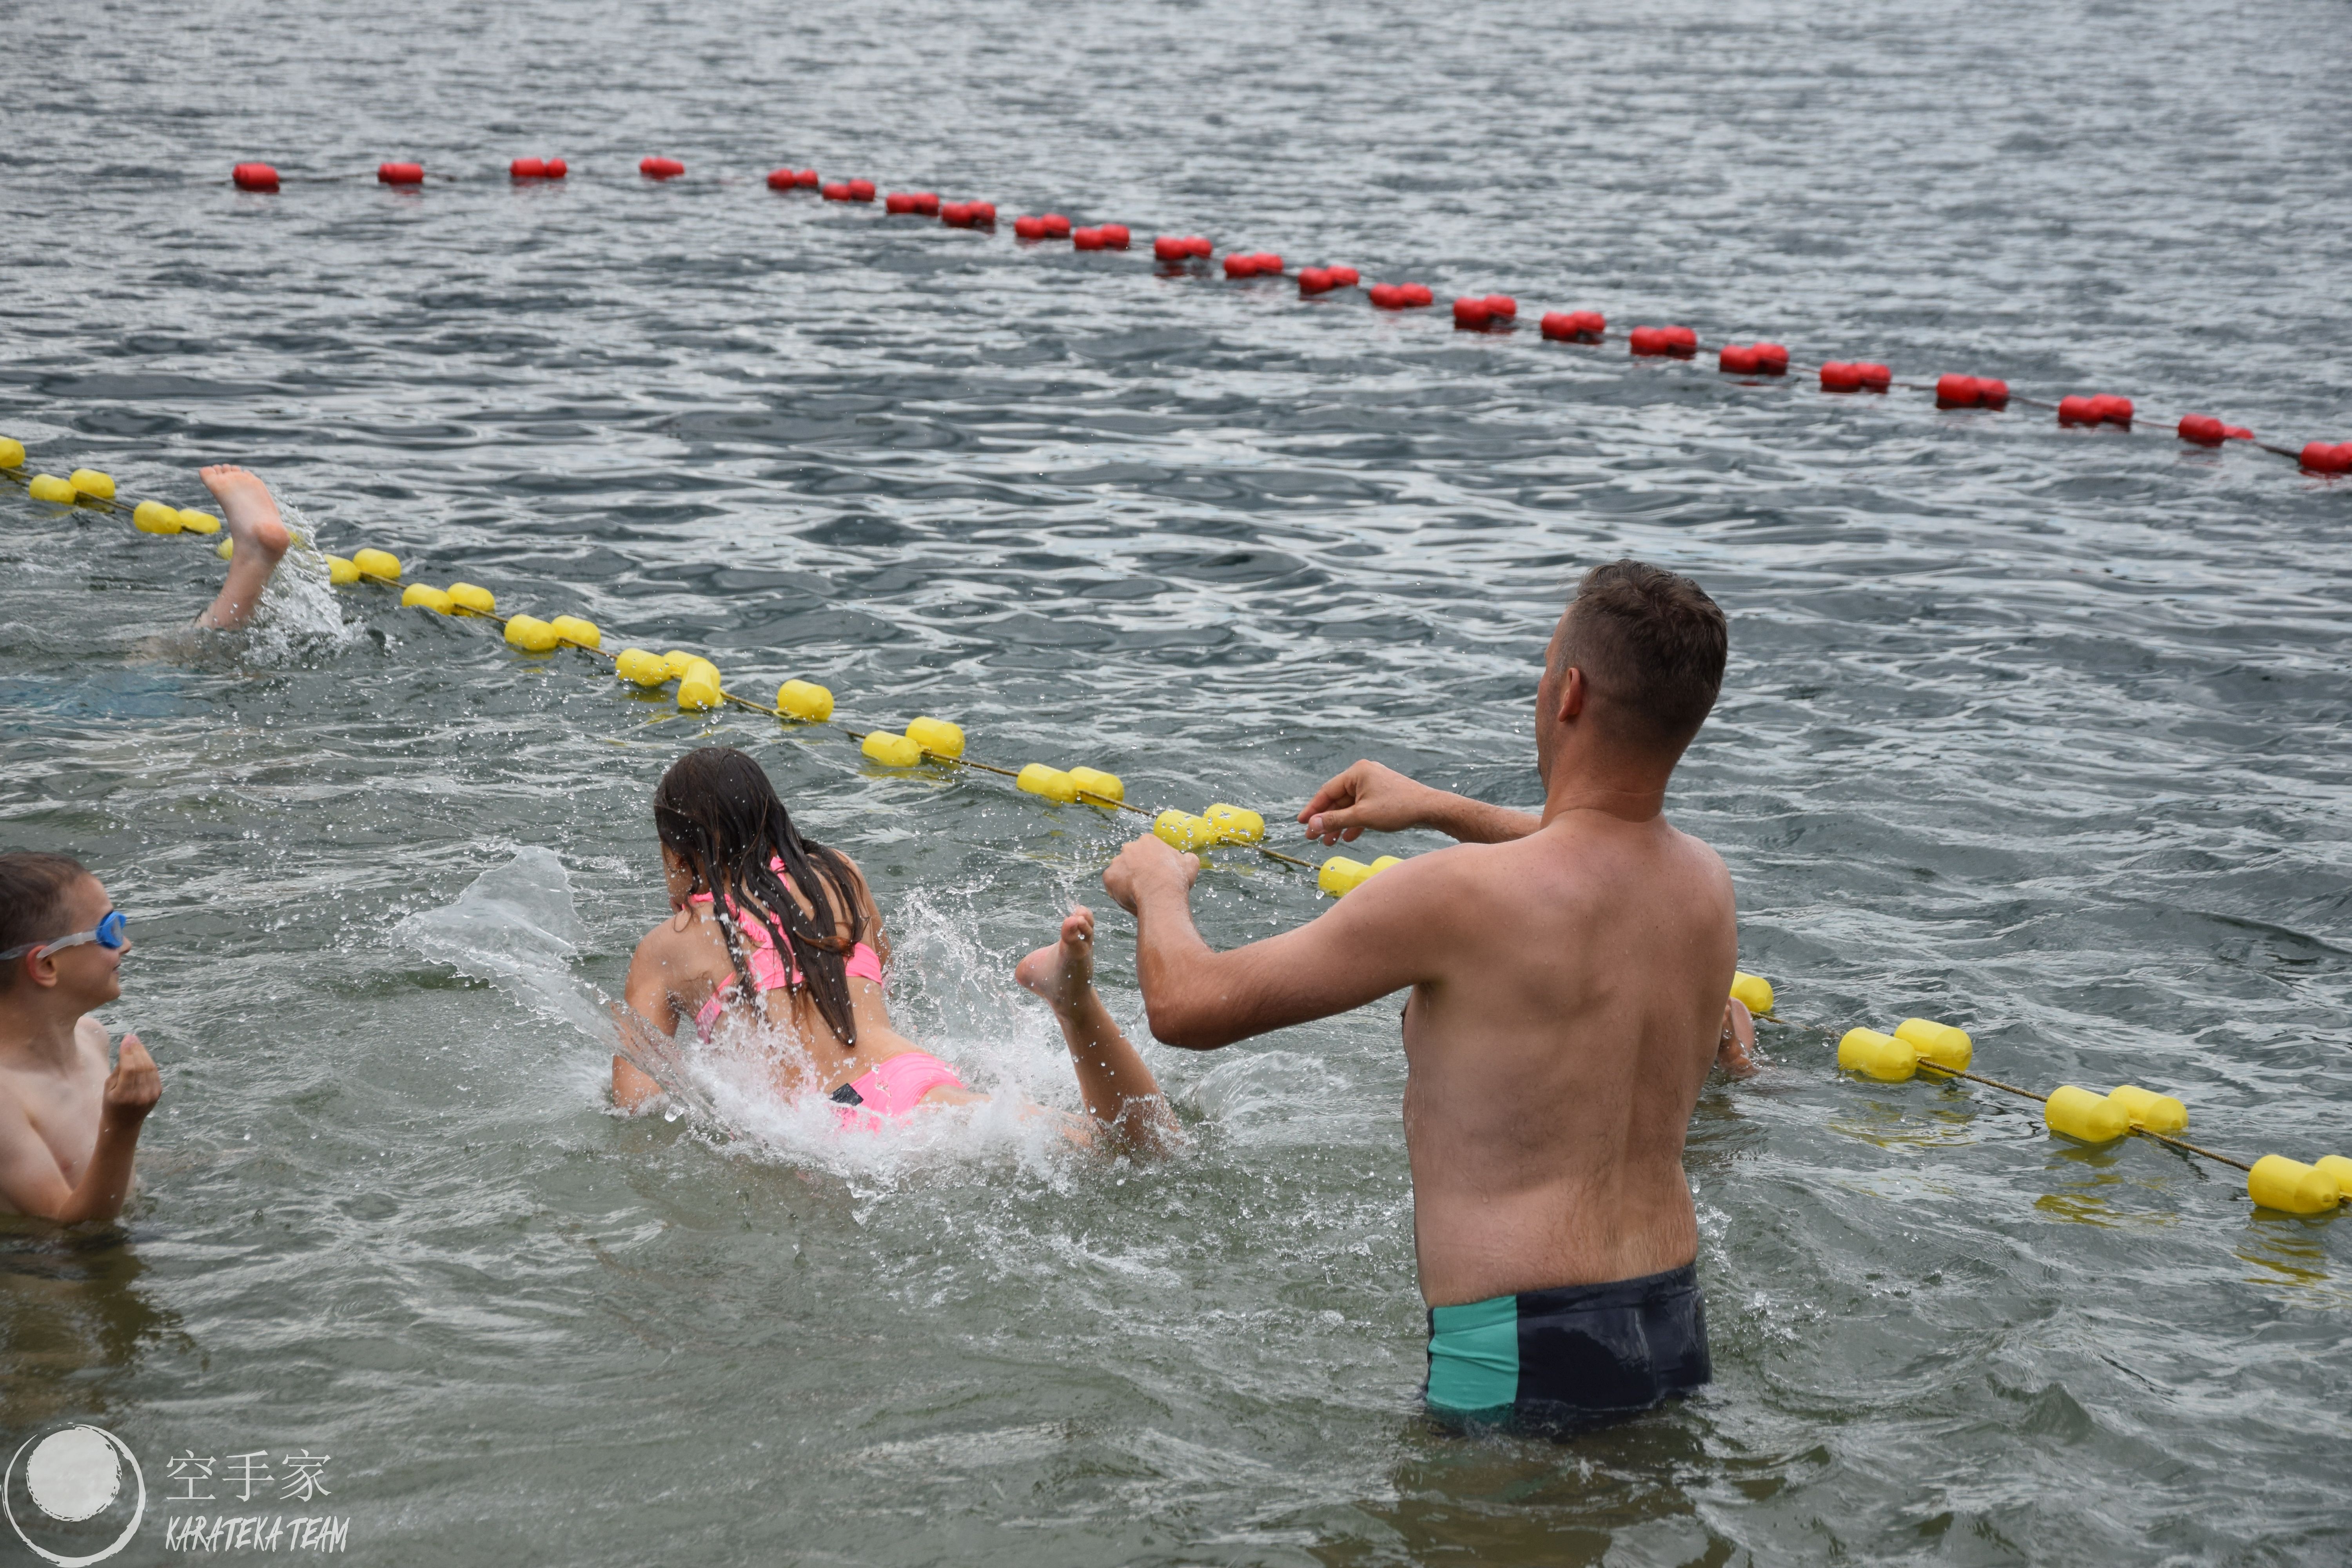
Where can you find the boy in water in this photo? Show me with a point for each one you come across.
(260, 538)
(68, 1126)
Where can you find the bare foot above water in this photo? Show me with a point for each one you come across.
(260, 535)
(1063, 972)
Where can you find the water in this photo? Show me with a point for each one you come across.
(2041, 730)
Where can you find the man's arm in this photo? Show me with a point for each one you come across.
(1381, 938)
(1369, 796)
(30, 1178)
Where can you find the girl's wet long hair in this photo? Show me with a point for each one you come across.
(717, 812)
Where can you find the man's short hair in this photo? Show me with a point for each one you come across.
(1651, 646)
(33, 888)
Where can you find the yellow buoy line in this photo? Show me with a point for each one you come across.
(700, 688)
(1922, 1045)
(1914, 1046)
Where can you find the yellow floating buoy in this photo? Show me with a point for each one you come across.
(577, 632)
(891, 750)
(804, 700)
(477, 600)
(1236, 824)
(644, 669)
(1104, 787)
(155, 517)
(1052, 782)
(530, 634)
(1382, 864)
(1752, 992)
(381, 563)
(700, 689)
(12, 453)
(426, 596)
(681, 661)
(2336, 1169)
(2081, 1115)
(2150, 1112)
(1340, 876)
(225, 549)
(1875, 1055)
(936, 736)
(195, 522)
(1938, 1043)
(1181, 830)
(49, 486)
(2291, 1186)
(93, 484)
(340, 571)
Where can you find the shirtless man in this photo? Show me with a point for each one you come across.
(68, 1126)
(1568, 974)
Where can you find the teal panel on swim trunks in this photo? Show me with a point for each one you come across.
(1474, 1354)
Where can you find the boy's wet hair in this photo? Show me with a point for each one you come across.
(32, 886)
(717, 812)
(1652, 645)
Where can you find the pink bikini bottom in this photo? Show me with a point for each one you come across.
(892, 1088)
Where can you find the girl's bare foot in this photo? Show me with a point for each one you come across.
(260, 535)
(1063, 974)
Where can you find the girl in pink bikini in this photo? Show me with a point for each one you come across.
(772, 929)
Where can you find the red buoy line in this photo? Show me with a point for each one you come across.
(1490, 312)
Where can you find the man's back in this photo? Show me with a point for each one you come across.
(1555, 1059)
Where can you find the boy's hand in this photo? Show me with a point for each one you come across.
(133, 1087)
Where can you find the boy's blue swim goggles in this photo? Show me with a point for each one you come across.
(107, 932)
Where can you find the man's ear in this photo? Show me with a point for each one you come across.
(1572, 692)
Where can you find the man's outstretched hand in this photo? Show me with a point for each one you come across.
(1367, 796)
(133, 1087)
(1144, 863)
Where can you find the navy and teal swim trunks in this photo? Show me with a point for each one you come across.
(1571, 1357)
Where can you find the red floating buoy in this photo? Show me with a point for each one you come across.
(557, 168)
(1387, 297)
(2204, 429)
(660, 168)
(1344, 277)
(1115, 235)
(1170, 247)
(254, 177)
(1199, 246)
(1957, 392)
(1772, 359)
(1086, 239)
(1314, 281)
(1028, 227)
(1057, 225)
(1416, 295)
(1269, 265)
(527, 169)
(785, 180)
(809, 179)
(1471, 314)
(2112, 410)
(1240, 265)
(1874, 377)
(1558, 324)
(2079, 411)
(900, 202)
(834, 190)
(2237, 433)
(1839, 376)
(1992, 391)
(1502, 307)
(400, 173)
(1646, 340)
(2321, 459)
(1736, 359)
(861, 190)
(927, 202)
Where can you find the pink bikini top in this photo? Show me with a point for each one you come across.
(770, 970)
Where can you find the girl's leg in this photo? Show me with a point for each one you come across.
(1121, 1093)
(260, 536)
